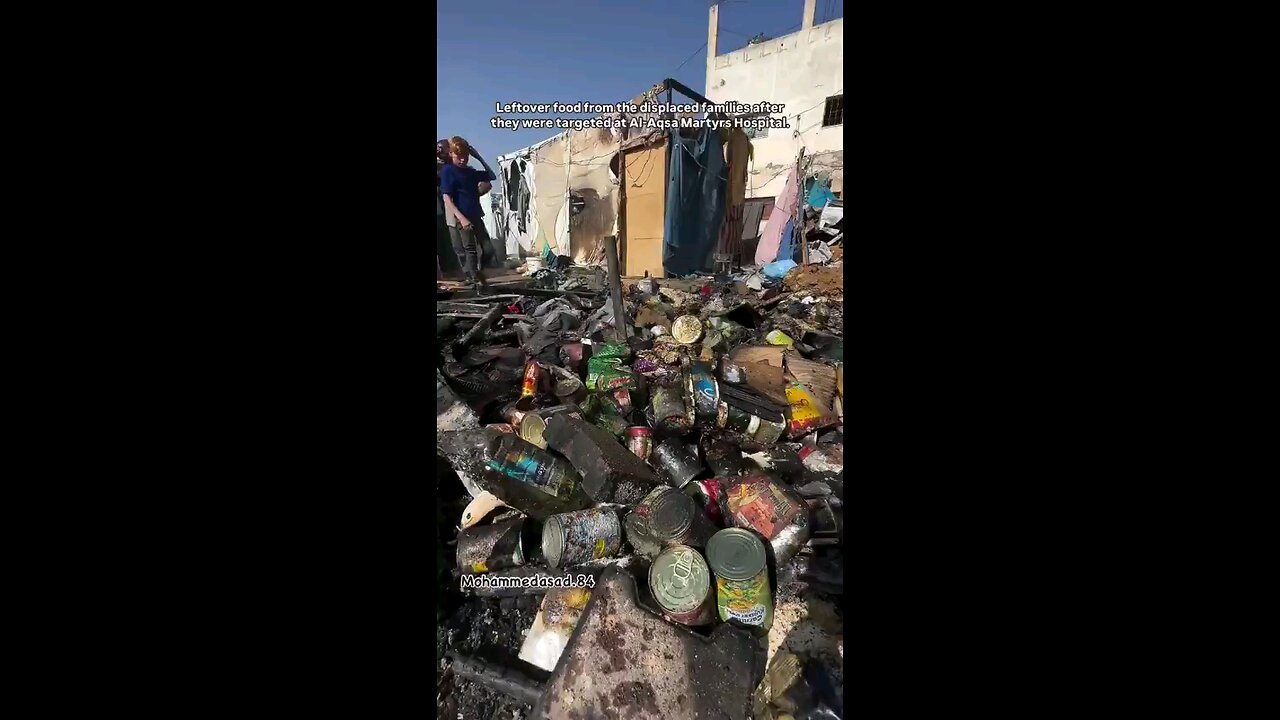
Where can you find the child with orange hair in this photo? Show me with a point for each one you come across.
(462, 187)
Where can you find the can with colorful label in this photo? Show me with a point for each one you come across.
(578, 537)
(640, 441)
(775, 512)
(702, 394)
(740, 564)
(530, 384)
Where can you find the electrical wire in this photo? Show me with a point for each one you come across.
(695, 52)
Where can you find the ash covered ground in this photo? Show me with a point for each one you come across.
(487, 627)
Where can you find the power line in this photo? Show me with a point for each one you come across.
(695, 52)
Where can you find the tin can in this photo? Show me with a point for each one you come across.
(740, 564)
(703, 394)
(709, 494)
(640, 441)
(532, 428)
(535, 422)
(601, 410)
(681, 585)
(513, 415)
(765, 432)
(530, 384)
(675, 519)
(674, 461)
(569, 388)
(739, 420)
(501, 427)
(669, 410)
(622, 397)
(573, 356)
(686, 329)
(498, 546)
(612, 424)
(723, 457)
(756, 502)
(637, 522)
(578, 537)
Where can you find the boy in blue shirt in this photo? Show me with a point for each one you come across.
(461, 188)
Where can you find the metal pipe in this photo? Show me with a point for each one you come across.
(507, 680)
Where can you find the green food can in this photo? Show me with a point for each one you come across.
(743, 596)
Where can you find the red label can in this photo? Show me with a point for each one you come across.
(530, 384)
(640, 441)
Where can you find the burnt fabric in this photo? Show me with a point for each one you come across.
(696, 182)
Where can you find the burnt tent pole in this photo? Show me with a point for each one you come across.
(615, 288)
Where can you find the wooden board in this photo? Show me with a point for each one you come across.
(646, 211)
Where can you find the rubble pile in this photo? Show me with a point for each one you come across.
(648, 515)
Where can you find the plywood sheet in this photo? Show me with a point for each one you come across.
(646, 177)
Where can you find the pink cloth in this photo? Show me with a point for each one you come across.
(783, 206)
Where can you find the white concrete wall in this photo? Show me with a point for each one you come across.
(801, 71)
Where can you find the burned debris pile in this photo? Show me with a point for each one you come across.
(643, 516)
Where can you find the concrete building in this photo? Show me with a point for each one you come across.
(803, 71)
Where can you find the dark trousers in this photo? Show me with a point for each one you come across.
(469, 244)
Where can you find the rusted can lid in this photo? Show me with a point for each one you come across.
(531, 429)
(680, 579)
(671, 515)
(552, 541)
(686, 329)
(736, 554)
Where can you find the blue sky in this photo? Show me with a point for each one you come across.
(542, 51)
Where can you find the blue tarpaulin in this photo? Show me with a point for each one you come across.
(695, 201)
(778, 270)
(819, 194)
(787, 248)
